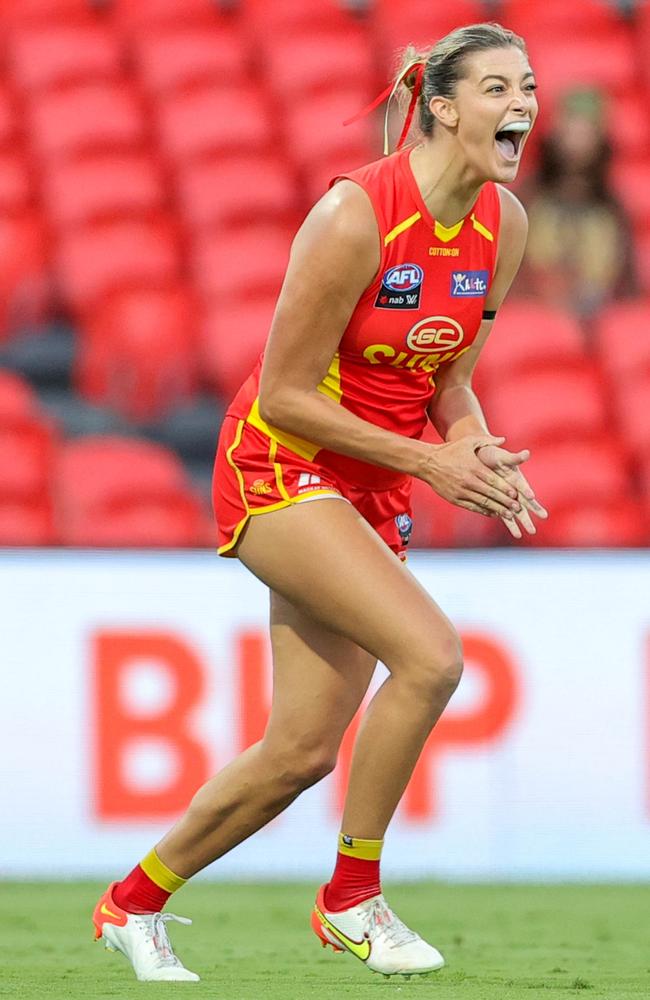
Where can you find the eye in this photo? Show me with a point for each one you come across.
(531, 86)
(498, 88)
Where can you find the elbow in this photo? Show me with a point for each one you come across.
(272, 410)
(265, 405)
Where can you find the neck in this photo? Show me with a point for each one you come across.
(448, 185)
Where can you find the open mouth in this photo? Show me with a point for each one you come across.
(510, 139)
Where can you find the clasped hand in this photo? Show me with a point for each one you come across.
(476, 473)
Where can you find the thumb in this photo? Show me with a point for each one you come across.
(481, 440)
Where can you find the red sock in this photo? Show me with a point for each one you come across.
(140, 891)
(356, 875)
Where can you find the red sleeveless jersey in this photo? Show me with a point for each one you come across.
(422, 311)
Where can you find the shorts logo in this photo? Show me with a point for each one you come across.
(400, 287)
(404, 526)
(259, 488)
(435, 333)
(306, 482)
(469, 284)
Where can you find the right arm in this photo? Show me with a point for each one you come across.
(334, 258)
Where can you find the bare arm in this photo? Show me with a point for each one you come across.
(334, 258)
(455, 410)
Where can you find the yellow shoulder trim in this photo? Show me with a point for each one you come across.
(480, 228)
(447, 233)
(401, 228)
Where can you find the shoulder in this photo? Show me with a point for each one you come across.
(344, 214)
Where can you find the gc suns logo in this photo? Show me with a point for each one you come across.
(435, 333)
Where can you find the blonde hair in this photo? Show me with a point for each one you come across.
(444, 63)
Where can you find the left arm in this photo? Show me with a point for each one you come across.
(455, 410)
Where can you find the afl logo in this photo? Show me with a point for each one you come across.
(435, 333)
(403, 278)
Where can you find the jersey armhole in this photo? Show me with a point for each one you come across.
(375, 284)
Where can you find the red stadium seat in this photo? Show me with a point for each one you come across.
(284, 17)
(27, 451)
(315, 130)
(17, 398)
(319, 61)
(146, 15)
(529, 336)
(24, 276)
(546, 406)
(419, 22)
(243, 263)
(138, 354)
(29, 522)
(119, 491)
(594, 525)
(631, 182)
(215, 119)
(232, 337)
(48, 56)
(210, 191)
(439, 524)
(632, 406)
(171, 59)
(15, 183)
(97, 260)
(557, 18)
(623, 337)
(9, 127)
(43, 12)
(567, 473)
(318, 176)
(564, 62)
(87, 118)
(103, 186)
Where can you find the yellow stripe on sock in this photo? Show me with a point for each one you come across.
(365, 850)
(159, 873)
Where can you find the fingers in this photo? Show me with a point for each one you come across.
(482, 440)
(527, 495)
(512, 527)
(491, 505)
(498, 483)
(514, 458)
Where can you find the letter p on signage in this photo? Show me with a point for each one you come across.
(124, 728)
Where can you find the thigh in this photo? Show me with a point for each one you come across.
(327, 561)
(319, 677)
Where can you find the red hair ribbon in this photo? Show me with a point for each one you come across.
(389, 93)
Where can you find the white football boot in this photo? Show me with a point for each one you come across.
(143, 939)
(373, 933)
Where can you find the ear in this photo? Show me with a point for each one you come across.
(443, 110)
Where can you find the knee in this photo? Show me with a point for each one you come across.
(301, 765)
(438, 669)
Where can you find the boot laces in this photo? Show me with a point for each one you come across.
(157, 934)
(383, 921)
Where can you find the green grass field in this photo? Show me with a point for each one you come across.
(250, 942)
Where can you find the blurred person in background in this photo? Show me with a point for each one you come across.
(391, 291)
(579, 254)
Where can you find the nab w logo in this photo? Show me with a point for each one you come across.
(435, 333)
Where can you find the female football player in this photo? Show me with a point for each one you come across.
(392, 286)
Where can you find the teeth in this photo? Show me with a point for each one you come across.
(516, 127)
